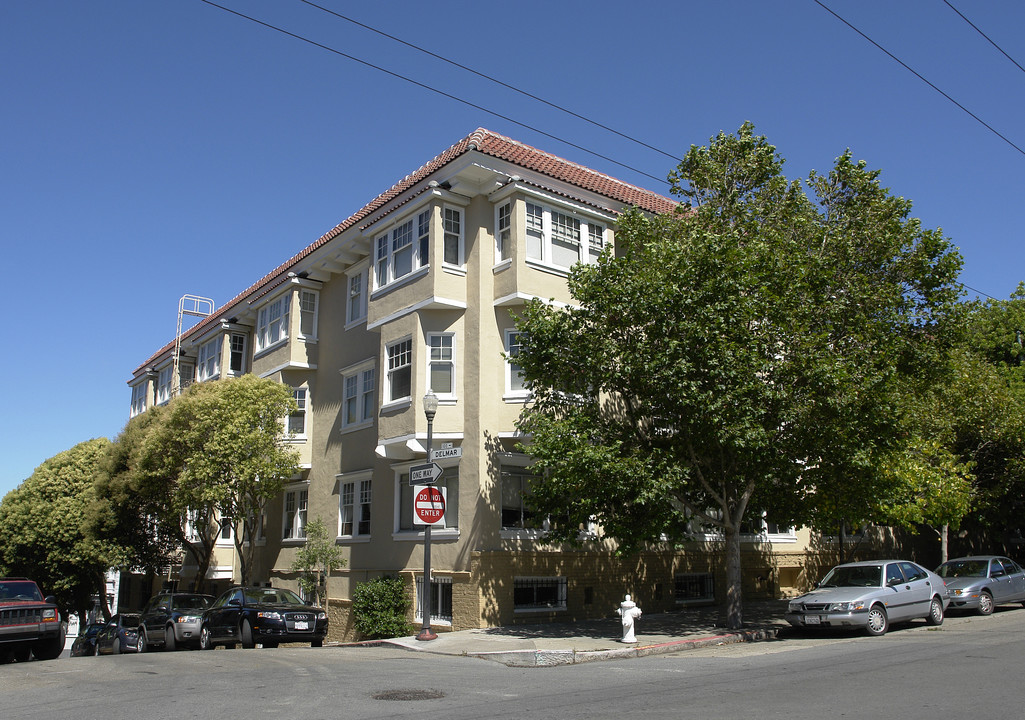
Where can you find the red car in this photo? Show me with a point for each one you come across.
(29, 623)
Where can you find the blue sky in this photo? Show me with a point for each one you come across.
(152, 150)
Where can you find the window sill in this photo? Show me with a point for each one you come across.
(270, 348)
(400, 404)
(293, 541)
(399, 282)
(501, 265)
(545, 267)
(459, 270)
(351, 539)
(516, 397)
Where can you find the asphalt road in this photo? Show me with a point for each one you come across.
(970, 666)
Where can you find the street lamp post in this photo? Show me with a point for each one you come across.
(430, 409)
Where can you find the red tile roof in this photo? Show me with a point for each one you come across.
(483, 141)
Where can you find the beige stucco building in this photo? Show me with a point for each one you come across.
(414, 292)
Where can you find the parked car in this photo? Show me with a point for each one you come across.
(29, 623)
(171, 620)
(870, 596)
(981, 582)
(266, 615)
(119, 635)
(85, 643)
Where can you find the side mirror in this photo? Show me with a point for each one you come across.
(235, 602)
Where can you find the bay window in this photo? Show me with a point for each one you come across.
(272, 323)
(400, 364)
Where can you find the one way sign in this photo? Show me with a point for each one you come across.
(426, 474)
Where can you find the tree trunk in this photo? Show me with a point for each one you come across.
(944, 533)
(734, 605)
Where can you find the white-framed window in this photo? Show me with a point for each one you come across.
(357, 300)
(441, 599)
(272, 322)
(237, 360)
(209, 364)
(503, 232)
(400, 366)
(452, 220)
(534, 594)
(164, 384)
(403, 249)
(449, 480)
(293, 520)
(295, 425)
(514, 385)
(359, 396)
(308, 313)
(354, 508)
(441, 368)
(139, 398)
(554, 237)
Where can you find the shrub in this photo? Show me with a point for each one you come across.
(379, 608)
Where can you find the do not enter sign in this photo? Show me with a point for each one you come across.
(428, 505)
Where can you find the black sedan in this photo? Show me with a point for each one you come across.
(85, 643)
(172, 619)
(119, 635)
(265, 615)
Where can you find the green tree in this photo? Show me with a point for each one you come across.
(43, 528)
(316, 560)
(221, 447)
(741, 354)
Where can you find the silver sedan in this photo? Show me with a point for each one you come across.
(869, 596)
(981, 582)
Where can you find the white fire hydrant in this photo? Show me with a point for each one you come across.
(628, 612)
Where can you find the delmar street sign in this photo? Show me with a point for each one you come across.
(426, 474)
(429, 505)
(447, 453)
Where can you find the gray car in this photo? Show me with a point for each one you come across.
(981, 582)
(871, 595)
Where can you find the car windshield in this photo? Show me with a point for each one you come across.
(854, 576)
(963, 568)
(25, 591)
(129, 621)
(274, 596)
(190, 602)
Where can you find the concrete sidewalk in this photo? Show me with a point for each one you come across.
(545, 645)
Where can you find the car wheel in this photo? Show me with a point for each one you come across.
(169, 641)
(935, 616)
(116, 647)
(246, 633)
(204, 639)
(878, 623)
(985, 603)
(143, 641)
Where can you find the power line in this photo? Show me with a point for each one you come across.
(906, 67)
(433, 89)
(984, 35)
(493, 79)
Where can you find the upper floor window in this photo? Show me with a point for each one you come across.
(293, 521)
(400, 364)
(272, 322)
(308, 313)
(358, 399)
(441, 371)
(209, 359)
(405, 248)
(357, 305)
(513, 373)
(139, 398)
(555, 237)
(503, 232)
(516, 490)
(453, 239)
(354, 508)
(296, 424)
(237, 361)
(164, 384)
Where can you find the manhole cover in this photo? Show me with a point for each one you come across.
(409, 695)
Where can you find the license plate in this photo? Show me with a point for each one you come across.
(302, 625)
(811, 619)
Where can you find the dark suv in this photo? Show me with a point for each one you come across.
(29, 624)
(172, 619)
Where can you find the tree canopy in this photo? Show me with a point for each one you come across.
(740, 356)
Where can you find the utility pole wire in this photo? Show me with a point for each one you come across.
(905, 66)
(434, 90)
(984, 35)
(493, 79)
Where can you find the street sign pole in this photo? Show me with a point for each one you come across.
(430, 408)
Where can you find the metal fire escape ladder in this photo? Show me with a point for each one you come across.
(195, 306)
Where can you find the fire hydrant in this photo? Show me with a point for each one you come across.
(628, 612)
